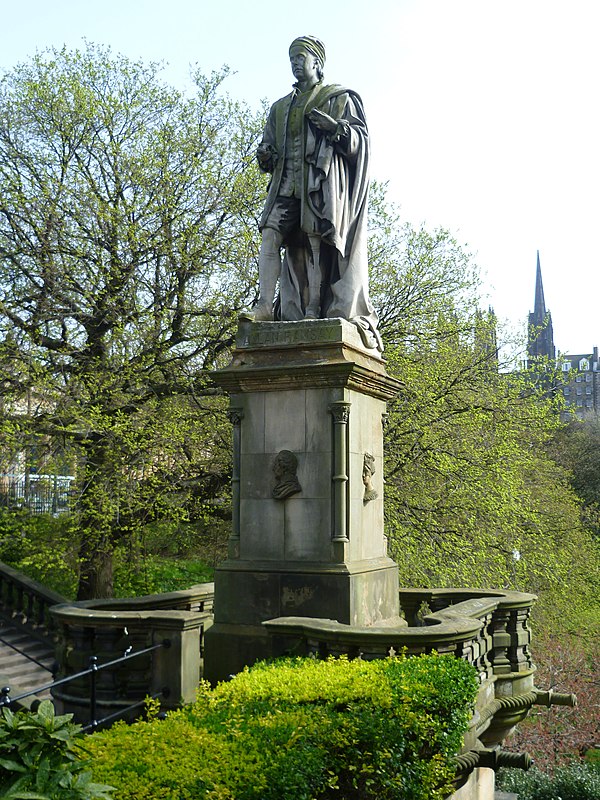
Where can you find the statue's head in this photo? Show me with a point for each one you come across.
(368, 468)
(285, 463)
(313, 47)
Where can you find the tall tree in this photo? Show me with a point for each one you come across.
(472, 496)
(126, 240)
(576, 447)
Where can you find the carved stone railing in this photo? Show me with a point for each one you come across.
(104, 629)
(489, 629)
(26, 603)
(198, 598)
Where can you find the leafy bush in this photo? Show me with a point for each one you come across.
(39, 758)
(576, 782)
(153, 575)
(44, 547)
(299, 729)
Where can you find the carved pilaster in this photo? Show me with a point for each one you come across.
(340, 412)
(235, 417)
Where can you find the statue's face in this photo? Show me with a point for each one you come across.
(304, 64)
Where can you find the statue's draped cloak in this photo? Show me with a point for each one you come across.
(334, 201)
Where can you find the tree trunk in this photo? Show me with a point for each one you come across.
(95, 569)
(96, 512)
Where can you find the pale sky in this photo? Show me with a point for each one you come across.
(483, 114)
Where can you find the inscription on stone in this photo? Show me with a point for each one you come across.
(295, 335)
(296, 597)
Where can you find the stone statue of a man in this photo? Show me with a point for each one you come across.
(316, 145)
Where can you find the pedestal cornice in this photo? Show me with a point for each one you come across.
(276, 356)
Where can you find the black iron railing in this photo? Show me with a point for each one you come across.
(92, 671)
(38, 494)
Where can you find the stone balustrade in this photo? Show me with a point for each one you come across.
(27, 603)
(489, 629)
(107, 629)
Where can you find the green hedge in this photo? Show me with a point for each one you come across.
(300, 729)
(575, 782)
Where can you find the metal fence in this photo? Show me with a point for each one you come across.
(6, 700)
(38, 494)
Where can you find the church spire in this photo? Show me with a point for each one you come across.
(539, 306)
(540, 337)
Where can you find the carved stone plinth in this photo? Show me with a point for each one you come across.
(307, 405)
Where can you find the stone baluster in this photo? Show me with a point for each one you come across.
(520, 638)
(501, 641)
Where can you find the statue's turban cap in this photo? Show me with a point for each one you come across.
(313, 45)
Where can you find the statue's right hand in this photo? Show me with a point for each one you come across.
(322, 120)
(266, 155)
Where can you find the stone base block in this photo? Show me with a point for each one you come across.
(229, 648)
(479, 786)
(247, 594)
(360, 594)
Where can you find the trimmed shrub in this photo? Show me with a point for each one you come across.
(299, 729)
(575, 782)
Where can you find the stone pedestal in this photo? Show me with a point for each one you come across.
(308, 405)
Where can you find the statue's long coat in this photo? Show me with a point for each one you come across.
(335, 198)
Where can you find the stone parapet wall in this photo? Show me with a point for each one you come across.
(107, 629)
(27, 603)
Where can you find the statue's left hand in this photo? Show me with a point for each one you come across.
(323, 121)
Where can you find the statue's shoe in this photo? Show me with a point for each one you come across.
(260, 313)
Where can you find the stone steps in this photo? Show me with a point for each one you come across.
(25, 662)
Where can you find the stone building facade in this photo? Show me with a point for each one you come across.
(577, 375)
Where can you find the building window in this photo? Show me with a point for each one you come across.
(579, 390)
(566, 391)
(588, 377)
(566, 366)
(579, 378)
(584, 365)
(588, 389)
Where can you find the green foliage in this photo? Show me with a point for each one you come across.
(576, 782)
(153, 575)
(472, 496)
(160, 558)
(127, 232)
(301, 729)
(42, 546)
(40, 758)
(577, 447)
